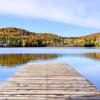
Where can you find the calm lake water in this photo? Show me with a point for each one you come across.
(85, 60)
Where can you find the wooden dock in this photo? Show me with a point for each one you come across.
(47, 81)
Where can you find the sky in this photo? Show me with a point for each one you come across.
(62, 17)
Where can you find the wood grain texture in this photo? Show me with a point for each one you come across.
(46, 81)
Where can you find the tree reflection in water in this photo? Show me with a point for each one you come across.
(10, 60)
(15, 59)
(95, 56)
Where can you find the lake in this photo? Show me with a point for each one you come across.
(85, 60)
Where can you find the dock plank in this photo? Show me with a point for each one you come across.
(46, 81)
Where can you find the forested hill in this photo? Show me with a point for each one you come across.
(15, 37)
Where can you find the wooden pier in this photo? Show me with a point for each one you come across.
(47, 81)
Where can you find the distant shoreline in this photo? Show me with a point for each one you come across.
(15, 37)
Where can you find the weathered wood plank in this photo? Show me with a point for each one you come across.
(46, 81)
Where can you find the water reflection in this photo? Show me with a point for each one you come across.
(9, 60)
(17, 59)
(95, 56)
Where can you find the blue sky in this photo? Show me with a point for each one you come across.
(62, 17)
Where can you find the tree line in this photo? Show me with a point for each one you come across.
(14, 37)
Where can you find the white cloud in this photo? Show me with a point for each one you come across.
(79, 12)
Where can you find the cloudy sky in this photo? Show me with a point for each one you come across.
(63, 17)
